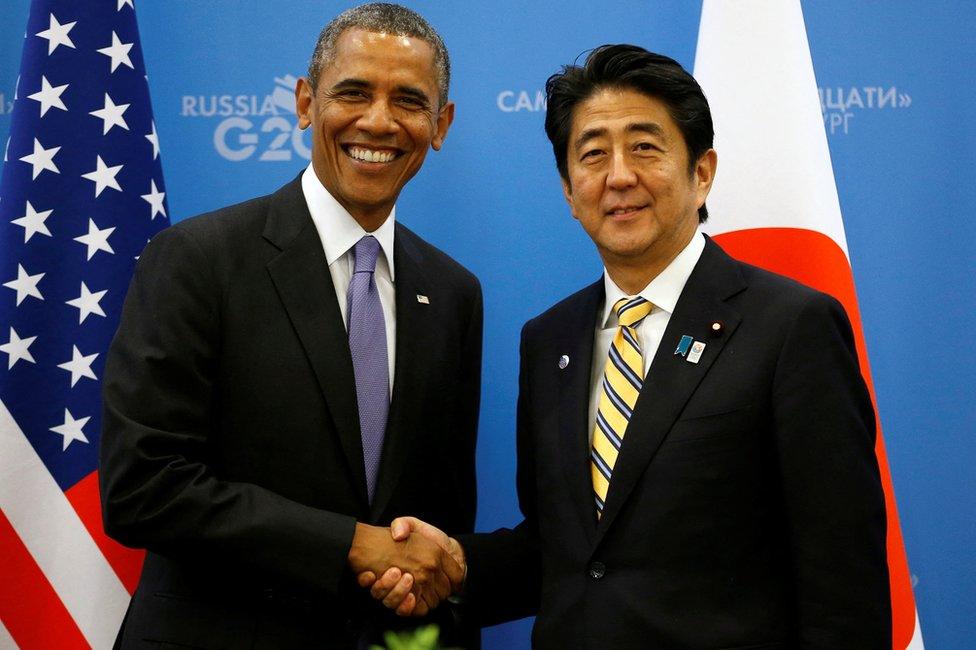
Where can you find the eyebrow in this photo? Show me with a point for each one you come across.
(351, 83)
(362, 84)
(650, 128)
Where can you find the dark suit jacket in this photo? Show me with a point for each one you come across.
(231, 446)
(745, 509)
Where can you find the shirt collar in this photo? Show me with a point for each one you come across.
(337, 229)
(664, 290)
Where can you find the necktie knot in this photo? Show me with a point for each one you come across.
(632, 310)
(366, 251)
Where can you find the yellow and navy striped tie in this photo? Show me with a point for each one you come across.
(622, 381)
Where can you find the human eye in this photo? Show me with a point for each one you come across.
(646, 147)
(591, 154)
(411, 102)
(349, 94)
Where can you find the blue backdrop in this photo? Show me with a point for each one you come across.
(221, 74)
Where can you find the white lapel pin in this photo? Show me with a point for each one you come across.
(563, 361)
(423, 300)
(696, 351)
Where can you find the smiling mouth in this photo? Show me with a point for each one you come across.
(624, 211)
(363, 154)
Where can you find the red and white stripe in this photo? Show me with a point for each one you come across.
(774, 202)
(60, 588)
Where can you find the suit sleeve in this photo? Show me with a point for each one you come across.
(159, 488)
(504, 567)
(824, 433)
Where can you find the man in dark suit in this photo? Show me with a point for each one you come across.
(293, 372)
(695, 442)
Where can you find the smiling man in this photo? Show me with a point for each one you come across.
(696, 459)
(293, 372)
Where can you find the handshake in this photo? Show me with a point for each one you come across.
(411, 567)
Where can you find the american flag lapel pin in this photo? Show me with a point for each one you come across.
(422, 299)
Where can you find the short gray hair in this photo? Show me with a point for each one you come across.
(381, 17)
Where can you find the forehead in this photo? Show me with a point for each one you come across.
(373, 56)
(616, 109)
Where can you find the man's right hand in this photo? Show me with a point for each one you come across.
(423, 573)
(394, 587)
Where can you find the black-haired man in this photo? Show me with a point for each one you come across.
(293, 372)
(696, 444)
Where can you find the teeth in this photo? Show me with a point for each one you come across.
(368, 155)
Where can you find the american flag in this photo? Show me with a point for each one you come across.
(81, 194)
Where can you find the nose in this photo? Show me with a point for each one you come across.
(377, 119)
(620, 175)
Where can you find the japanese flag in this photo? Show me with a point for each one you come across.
(774, 203)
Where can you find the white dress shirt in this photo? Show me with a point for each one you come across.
(339, 233)
(663, 292)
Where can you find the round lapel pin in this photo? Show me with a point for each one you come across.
(563, 361)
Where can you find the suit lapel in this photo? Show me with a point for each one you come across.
(413, 365)
(301, 277)
(671, 379)
(575, 340)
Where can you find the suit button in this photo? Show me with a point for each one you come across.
(597, 570)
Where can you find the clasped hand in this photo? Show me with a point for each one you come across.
(418, 564)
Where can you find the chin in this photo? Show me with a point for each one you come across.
(630, 249)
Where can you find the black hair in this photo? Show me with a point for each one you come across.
(633, 67)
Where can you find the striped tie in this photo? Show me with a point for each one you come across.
(622, 381)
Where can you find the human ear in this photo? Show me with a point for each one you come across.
(705, 174)
(303, 102)
(568, 195)
(444, 118)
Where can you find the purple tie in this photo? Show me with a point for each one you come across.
(367, 343)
